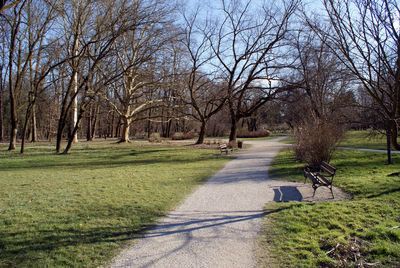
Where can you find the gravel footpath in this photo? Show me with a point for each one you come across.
(217, 225)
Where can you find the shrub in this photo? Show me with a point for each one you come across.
(155, 137)
(140, 135)
(189, 135)
(315, 141)
(177, 136)
(252, 134)
(183, 136)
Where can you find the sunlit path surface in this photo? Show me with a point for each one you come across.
(216, 226)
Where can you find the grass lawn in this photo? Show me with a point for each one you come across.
(337, 234)
(364, 139)
(288, 140)
(258, 139)
(357, 139)
(77, 210)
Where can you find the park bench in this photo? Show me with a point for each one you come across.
(225, 148)
(323, 176)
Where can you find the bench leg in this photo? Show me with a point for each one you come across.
(315, 189)
(331, 188)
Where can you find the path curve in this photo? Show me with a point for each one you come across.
(217, 225)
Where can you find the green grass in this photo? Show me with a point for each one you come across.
(357, 139)
(257, 139)
(364, 229)
(364, 139)
(78, 210)
(288, 140)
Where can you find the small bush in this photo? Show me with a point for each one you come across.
(315, 141)
(155, 137)
(140, 135)
(183, 136)
(189, 135)
(252, 134)
(177, 136)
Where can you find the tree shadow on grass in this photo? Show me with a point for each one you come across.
(19, 248)
(101, 163)
(391, 191)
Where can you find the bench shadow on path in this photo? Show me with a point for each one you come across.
(287, 193)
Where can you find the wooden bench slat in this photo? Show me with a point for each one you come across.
(325, 180)
(225, 148)
(312, 178)
(319, 179)
(328, 168)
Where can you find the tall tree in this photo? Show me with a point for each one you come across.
(3, 66)
(19, 54)
(365, 37)
(324, 85)
(205, 96)
(248, 42)
(136, 53)
(40, 16)
(323, 78)
(96, 27)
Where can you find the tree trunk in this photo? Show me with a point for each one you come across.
(13, 111)
(252, 124)
(89, 125)
(202, 133)
(60, 130)
(162, 123)
(27, 116)
(75, 108)
(149, 124)
(75, 130)
(34, 124)
(233, 133)
(395, 144)
(81, 113)
(168, 129)
(94, 123)
(118, 128)
(13, 121)
(1, 103)
(388, 141)
(125, 130)
(112, 125)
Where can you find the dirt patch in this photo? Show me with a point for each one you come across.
(322, 194)
(303, 192)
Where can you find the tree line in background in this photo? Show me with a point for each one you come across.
(124, 68)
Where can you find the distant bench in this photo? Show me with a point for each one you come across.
(322, 177)
(225, 148)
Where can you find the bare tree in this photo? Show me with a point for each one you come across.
(28, 23)
(19, 54)
(5, 4)
(248, 42)
(3, 67)
(365, 37)
(136, 53)
(39, 17)
(321, 100)
(103, 24)
(205, 96)
(325, 81)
